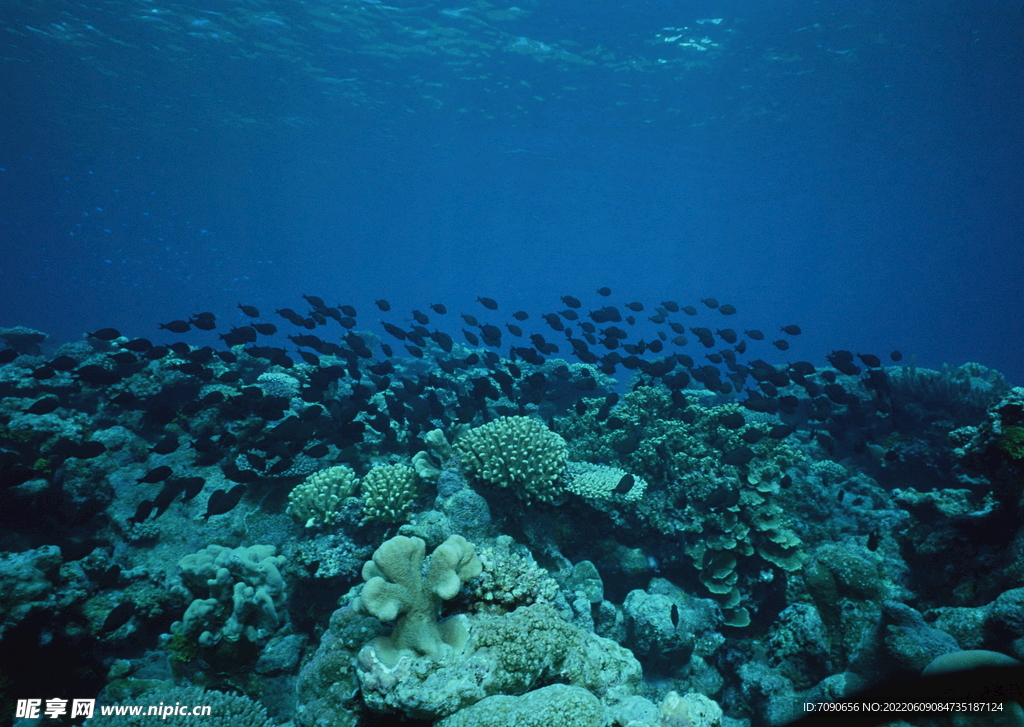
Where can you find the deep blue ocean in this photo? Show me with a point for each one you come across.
(853, 168)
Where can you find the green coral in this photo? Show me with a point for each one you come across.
(388, 491)
(1012, 441)
(317, 500)
(515, 452)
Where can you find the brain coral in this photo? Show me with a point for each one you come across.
(515, 452)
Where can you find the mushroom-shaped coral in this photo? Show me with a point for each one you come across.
(397, 588)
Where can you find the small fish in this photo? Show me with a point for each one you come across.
(488, 303)
(157, 474)
(896, 356)
(176, 326)
(709, 302)
(727, 310)
(438, 308)
(738, 457)
(383, 305)
(519, 315)
(571, 302)
(105, 334)
(221, 502)
(249, 310)
(605, 291)
(141, 512)
(119, 615)
(44, 405)
(166, 445)
(791, 330)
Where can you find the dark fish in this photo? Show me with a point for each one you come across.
(738, 457)
(438, 308)
(420, 317)
(670, 305)
(488, 303)
(869, 360)
(443, 340)
(873, 541)
(780, 431)
(157, 474)
(267, 329)
(43, 372)
(176, 326)
(570, 301)
(604, 291)
(141, 512)
(166, 445)
(752, 436)
(249, 310)
(347, 310)
(709, 302)
(791, 330)
(138, 345)
(689, 310)
(63, 363)
(388, 351)
(204, 321)
(570, 315)
(311, 358)
(635, 306)
(90, 450)
(383, 305)
(733, 421)
(44, 406)
(727, 310)
(105, 334)
(780, 344)
(8, 355)
(414, 351)
(513, 329)
(317, 451)
(221, 502)
(394, 330)
(119, 615)
(470, 320)
(625, 485)
(722, 498)
(896, 356)
(554, 321)
(728, 335)
(471, 337)
(315, 301)
(190, 487)
(171, 489)
(519, 315)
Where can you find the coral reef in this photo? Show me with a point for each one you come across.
(317, 500)
(238, 595)
(518, 452)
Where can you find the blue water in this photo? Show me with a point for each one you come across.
(850, 167)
